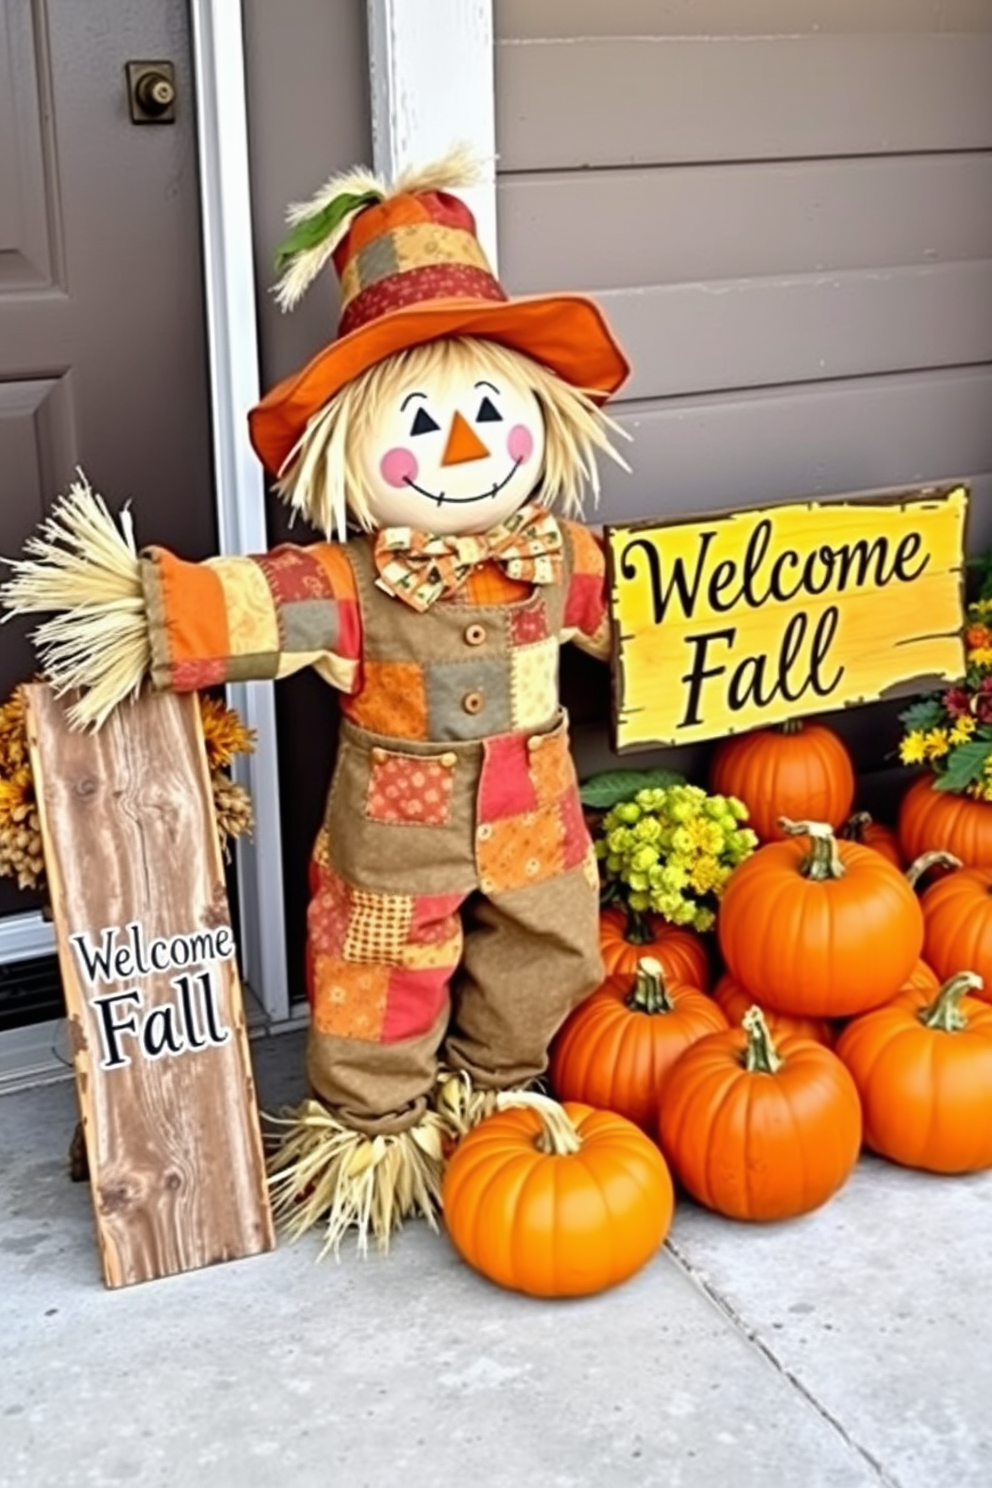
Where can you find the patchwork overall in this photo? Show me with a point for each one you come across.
(454, 909)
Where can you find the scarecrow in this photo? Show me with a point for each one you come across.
(453, 918)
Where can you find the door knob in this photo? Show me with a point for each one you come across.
(151, 90)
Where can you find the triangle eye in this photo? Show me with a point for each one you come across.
(423, 423)
(488, 413)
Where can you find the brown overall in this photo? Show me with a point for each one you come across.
(454, 909)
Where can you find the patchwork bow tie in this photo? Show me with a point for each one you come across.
(420, 567)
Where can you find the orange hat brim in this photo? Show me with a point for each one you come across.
(567, 333)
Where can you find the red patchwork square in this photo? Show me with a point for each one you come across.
(329, 912)
(529, 624)
(505, 786)
(192, 676)
(292, 573)
(406, 789)
(414, 1002)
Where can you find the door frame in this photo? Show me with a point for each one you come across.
(417, 56)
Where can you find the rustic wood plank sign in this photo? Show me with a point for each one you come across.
(147, 957)
(742, 619)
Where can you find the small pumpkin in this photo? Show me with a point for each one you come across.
(862, 827)
(957, 917)
(933, 819)
(758, 1129)
(625, 935)
(823, 930)
(924, 1073)
(798, 770)
(615, 1050)
(735, 1001)
(556, 1201)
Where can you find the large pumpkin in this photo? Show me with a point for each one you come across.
(821, 928)
(800, 770)
(625, 936)
(615, 1050)
(735, 1000)
(760, 1130)
(930, 820)
(957, 917)
(556, 1201)
(924, 1074)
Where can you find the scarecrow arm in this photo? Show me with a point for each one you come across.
(587, 616)
(118, 617)
(251, 618)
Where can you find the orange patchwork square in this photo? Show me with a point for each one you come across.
(349, 1001)
(392, 700)
(520, 850)
(551, 768)
(405, 789)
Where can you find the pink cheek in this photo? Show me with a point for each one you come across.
(398, 466)
(520, 443)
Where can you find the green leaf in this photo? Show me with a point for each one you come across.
(312, 231)
(604, 790)
(925, 714)
(964, 764)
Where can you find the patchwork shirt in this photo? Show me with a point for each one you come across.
(483, 662)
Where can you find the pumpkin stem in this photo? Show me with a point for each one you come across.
(929, 860)
(761, 1056)
(856, 826)
(649, 993)
(637, 931)
(791, 726)
(824, 859)
(945, 1012)
(558, 1136)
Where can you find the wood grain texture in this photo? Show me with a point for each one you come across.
(172, 1131)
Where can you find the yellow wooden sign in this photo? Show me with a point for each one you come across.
(738, 620)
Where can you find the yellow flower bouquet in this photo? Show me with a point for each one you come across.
(671, 849)
(951, 731)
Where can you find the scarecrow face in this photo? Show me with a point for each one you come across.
(455, 452)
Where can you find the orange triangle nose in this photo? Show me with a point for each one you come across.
(463, 444)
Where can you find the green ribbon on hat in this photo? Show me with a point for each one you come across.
(313, 230)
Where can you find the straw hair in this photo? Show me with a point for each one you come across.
(81, 564)
(458, 169)
(323, 480)
(324, 1172)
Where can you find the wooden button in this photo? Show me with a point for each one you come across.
(473, 702)
(449, 760)
(535, 743)
(380, 756)
(475, 635)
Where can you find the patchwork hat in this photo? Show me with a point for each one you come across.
(411, 270)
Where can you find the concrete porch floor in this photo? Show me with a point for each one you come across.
(852, 1347)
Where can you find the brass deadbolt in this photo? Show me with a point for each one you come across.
(151, 90)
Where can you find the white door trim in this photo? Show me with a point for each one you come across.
(431, 66)
(232, 338)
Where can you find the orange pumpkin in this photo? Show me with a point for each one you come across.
(862, 827)
(924, 1074)
(801, 770)
(825, 929)
(930, 819)
(735, 1001)
(625, 936)
(556, 1201)
(615, 1050)
(957, 917)
(758, 1131)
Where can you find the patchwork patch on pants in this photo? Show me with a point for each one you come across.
(380, 964)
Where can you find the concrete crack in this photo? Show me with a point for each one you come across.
(699, 1280)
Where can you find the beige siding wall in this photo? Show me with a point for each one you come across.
(785, 208)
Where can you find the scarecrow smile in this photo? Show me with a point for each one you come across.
(441, 499)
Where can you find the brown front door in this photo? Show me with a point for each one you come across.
(102, 342)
